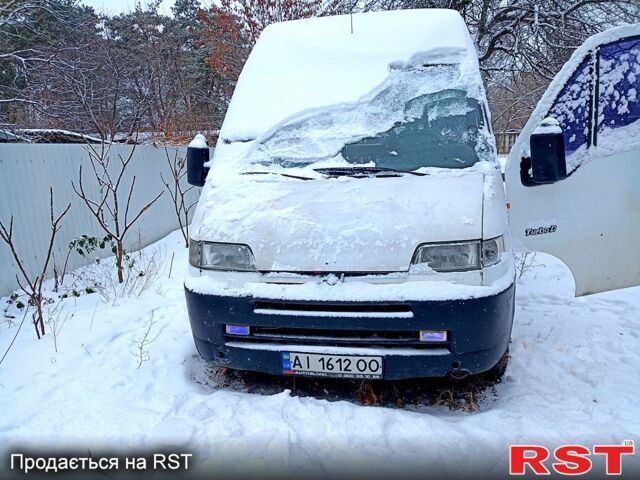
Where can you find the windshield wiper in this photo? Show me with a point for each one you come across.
(298, 177)
(364, 171)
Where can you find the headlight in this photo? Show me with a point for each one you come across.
(459, 256)
(491, 251)
(221, 256)
(449, 257)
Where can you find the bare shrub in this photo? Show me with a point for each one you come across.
(56, 318)
(141, 350)
(84, 245)
(6, 352)
(32, 284)
(525, 262)
(140, 271)
(177, 190)
(107, 208)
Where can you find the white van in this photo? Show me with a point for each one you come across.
(353, 221)
(587, 212)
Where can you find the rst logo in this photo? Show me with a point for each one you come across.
(540, 230)
(569, 459)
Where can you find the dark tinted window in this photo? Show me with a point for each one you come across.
(572, 107)
(619, 85)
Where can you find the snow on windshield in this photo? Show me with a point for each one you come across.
(419, 117)
(345, 79)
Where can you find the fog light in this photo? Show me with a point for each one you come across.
(237, 329)
(433, 335)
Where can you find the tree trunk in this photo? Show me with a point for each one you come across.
(119, 258)
(38, 317)
(35, 325)
(41, 320)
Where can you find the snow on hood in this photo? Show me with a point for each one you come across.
(317, 225)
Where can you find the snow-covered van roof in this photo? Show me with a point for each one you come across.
(303, 65)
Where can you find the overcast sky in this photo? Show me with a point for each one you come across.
(113, 7)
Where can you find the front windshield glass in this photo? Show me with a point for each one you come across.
(445, 134)
(421, 117)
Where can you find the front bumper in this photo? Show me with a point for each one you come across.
(479, 331)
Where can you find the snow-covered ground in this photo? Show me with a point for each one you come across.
(573, 377)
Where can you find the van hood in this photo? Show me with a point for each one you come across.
(342, 224)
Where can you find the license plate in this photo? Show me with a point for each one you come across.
(322, 365)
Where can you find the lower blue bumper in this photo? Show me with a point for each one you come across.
(479, 331)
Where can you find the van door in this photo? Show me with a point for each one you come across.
(589, 219)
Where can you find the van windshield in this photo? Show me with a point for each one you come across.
(445, 135)
(423, 117)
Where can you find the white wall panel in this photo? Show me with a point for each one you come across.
(28, 170)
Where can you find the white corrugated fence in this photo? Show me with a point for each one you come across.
(28, 170)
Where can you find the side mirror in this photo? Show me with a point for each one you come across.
(548, 164)
(197, 156)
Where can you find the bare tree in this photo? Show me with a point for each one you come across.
(113, 198)
(32, 284)
(176, 188)
(36, 36)
(63, 65)
(13, 54)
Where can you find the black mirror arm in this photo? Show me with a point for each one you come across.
(525, 176)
